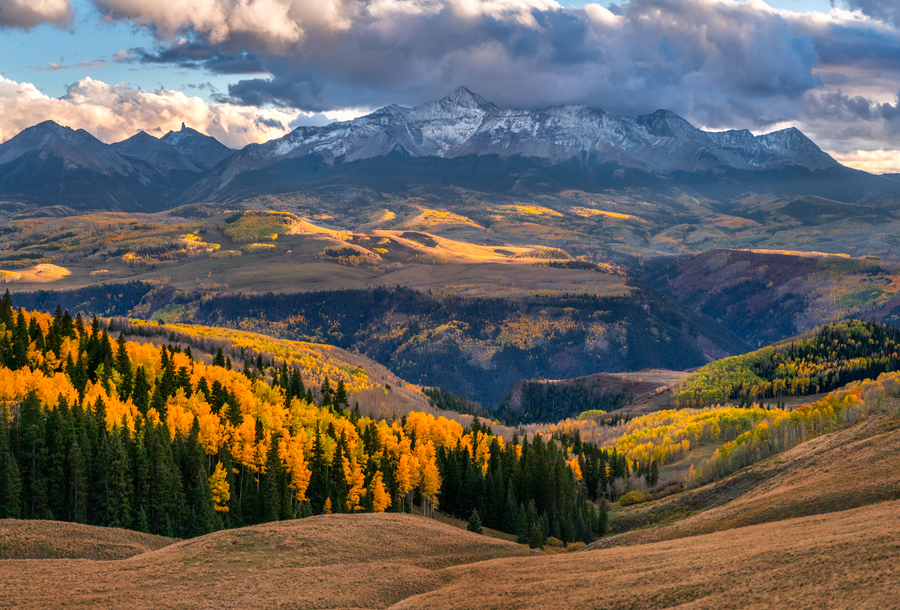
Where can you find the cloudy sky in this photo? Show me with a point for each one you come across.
(249, 70)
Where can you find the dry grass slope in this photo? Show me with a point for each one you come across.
(857, 466)
(840, 560)
(58, 540)
(333, 561)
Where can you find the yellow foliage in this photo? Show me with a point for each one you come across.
(218, 487)
(300, 428)
(15, 385)
(356, 482)
(576, 469)
(292, 451)
(381, 499)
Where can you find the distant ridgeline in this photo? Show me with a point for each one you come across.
(834, 355)
(120, 433)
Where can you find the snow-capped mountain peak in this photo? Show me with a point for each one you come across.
(464, 123)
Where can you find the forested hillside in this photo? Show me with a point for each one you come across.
(108, 431)
(479, 347)
(475, 347)
(829, 358)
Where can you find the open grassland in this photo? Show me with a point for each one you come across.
(839, 560)
(332, 561)
(230, 250)
(21, 539)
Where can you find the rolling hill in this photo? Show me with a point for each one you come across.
(838, 560)
(394, 561)
(333, 561)
(25, 539)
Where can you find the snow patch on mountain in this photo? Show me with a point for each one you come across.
(464, 123)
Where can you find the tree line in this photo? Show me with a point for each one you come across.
(835, 355)
(109, 431)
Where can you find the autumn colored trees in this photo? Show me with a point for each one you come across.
(105, 430)
(833, 356)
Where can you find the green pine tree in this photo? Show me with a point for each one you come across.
(32, 458)
(475, 523)
(10, 480)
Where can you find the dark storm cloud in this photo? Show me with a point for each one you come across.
(712, 62)
(195, 55)
(270, 123)
(848, 109)
(722, 64)
(883, 10)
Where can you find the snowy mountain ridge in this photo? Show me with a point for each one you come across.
(463, 123)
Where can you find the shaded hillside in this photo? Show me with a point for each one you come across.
(551, 400)
(768, 296)
(105, 300)
(480, 347)
(22, 539)
(476, 347)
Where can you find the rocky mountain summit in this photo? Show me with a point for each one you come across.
(52, 165)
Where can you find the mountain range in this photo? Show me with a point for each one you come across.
(460, 138)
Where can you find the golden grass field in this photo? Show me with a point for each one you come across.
(838, 560)
(331, 561)
(57, 540)
(190, 254)
(815, 527)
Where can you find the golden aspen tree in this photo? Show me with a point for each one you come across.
(406, 474)
(431, 485)
(327, 508)
(575, 467)
(218, 487)
(292, 453)
(381, 499)
(483, 452)
(356, 482)
(212, 433)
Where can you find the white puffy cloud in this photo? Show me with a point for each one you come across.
(26, 14)
(115, 112)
